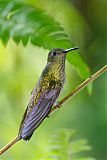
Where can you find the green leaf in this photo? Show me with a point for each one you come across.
(81, 67)
(63, 145)
(23, 22)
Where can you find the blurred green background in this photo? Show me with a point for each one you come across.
(20, 67)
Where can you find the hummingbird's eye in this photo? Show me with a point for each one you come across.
(54, 53)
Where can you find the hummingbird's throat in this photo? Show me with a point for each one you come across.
(58, 70)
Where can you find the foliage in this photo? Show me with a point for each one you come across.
(64, 146)
(24, 22)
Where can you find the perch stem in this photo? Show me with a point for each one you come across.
(10, 144)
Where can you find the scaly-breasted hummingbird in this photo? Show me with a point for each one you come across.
(43, 96)
(46, 92)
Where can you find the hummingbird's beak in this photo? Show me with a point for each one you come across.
(70, 49)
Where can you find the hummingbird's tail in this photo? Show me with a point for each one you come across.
(10, 144)
(38, 113)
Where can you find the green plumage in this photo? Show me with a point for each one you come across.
(45, 93)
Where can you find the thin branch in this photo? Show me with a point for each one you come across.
(78, 89)
(9, 145)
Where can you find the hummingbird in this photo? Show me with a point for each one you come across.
(45, 93)
(43, 96)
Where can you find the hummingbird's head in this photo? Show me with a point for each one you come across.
(57, 54)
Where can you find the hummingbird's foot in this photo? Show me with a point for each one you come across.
(56, 103)
(58, 106)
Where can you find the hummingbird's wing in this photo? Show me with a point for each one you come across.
(39, 112)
